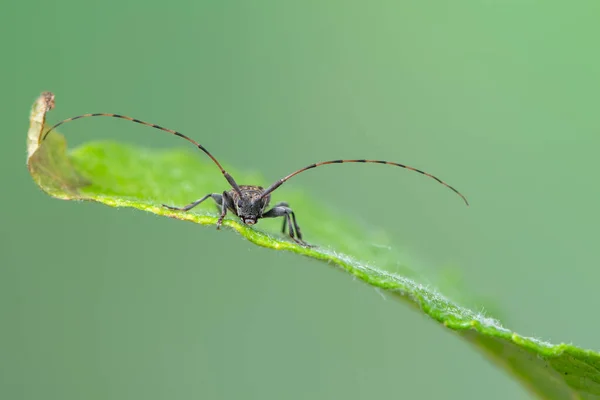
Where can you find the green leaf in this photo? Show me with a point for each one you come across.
(123, 176)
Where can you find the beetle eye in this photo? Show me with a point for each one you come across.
(239, 203)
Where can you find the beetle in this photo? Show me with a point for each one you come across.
(248, 202)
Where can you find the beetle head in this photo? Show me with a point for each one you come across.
(249, 208)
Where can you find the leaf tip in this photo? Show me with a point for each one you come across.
(37, 118)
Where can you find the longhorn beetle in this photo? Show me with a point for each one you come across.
(250, 202)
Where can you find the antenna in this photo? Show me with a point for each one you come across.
(229, 178)
(281, 181)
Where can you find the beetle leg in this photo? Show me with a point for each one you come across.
(281, 210)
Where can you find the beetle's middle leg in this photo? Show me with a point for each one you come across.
(222, 200)
(216, 197)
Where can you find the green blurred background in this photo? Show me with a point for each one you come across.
(500, 98)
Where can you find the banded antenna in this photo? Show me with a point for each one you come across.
(229, 178)
(281, 181)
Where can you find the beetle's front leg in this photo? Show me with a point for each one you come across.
(282, 204)
(226, 202)
(282, 210)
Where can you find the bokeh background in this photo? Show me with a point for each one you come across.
(498, 97)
